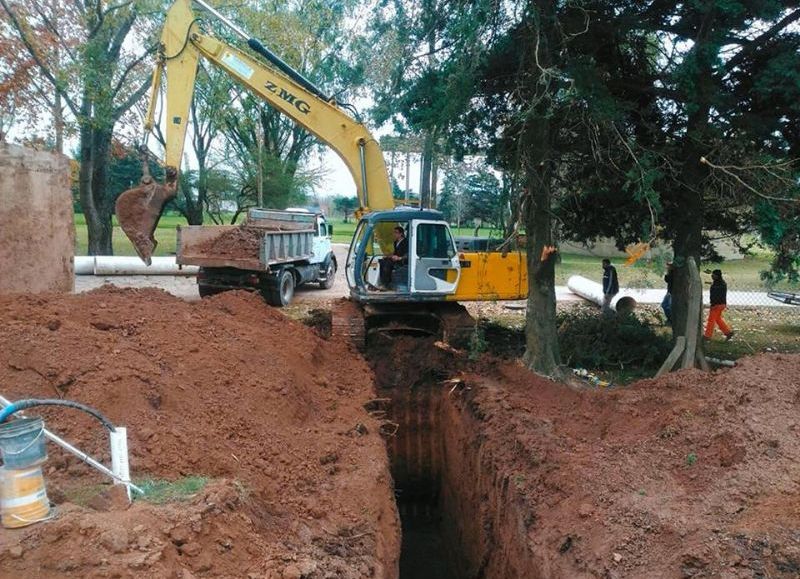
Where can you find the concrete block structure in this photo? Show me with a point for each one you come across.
(37, 229)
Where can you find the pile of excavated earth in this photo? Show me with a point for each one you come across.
(309, 448)
(226, 388)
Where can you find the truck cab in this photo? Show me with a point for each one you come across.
(429, 271)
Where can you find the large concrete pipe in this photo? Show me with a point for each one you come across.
(593, 291)
(128, 265)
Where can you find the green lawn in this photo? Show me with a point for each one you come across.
(740, 274)
(165, 234)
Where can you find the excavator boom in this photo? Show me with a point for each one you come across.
(183, 42)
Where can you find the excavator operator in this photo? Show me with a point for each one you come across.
(399, 257)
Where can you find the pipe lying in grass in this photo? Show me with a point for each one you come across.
(593, 291)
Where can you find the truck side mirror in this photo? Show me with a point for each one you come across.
(330, 230)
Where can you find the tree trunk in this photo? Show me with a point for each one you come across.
(688, 209)
(425, 176)
(92, 186)
(536, 138)
(541, 335)
(58, 122)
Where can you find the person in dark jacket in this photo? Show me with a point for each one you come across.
(399, 256)
(719, 301)
(610, 286)
(666, 303)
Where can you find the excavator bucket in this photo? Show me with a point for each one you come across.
(139, 209)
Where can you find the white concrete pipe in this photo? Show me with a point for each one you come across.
(84, 265)
(593, 291)
(128, 265)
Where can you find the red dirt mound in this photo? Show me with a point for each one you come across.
(226, 388)
(691, 475)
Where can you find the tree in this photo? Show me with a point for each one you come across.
(412, 90)
(484, 199)
(314, 38)
(497, 87)
(345, 205)
(84, 60)
(697, 132)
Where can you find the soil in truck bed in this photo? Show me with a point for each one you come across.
(241, 242)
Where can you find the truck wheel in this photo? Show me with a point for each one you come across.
(330, 274)
(281, 290)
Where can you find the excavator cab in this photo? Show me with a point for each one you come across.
(429, 272)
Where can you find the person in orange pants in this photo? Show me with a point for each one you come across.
(719, 301)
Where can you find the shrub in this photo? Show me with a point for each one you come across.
(589, 340)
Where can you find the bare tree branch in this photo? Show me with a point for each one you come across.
(73, 106)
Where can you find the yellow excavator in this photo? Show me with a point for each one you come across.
(437, 269)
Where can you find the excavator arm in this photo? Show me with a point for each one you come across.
(183, 43)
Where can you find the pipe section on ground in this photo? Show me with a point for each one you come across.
(593, 291)
(130, 265)
(84, 265)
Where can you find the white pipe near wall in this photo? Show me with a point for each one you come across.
(129, 265)
(593, 291)
(84, 265)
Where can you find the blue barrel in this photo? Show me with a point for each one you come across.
(22, 443)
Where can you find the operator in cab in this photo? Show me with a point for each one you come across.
(399, 257)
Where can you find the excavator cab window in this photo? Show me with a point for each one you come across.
(370, 266)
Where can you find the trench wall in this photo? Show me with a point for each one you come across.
(480, 504)
(37, 230)
(441, 456)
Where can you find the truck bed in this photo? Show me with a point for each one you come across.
(267, 238)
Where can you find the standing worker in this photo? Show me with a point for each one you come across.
(610, 286)
(666, 303)
(719, 301)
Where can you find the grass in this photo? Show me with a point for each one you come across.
(757, 330)
(159, 491)
(165, 234)
(156, 491)
(740, 274)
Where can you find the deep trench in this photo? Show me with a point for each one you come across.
(420, 451)
(462, 516)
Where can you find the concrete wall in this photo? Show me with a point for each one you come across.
(37, 230)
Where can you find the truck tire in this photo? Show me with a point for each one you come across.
(330, 275)
(280, 290)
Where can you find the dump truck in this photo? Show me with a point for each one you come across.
(272, 252)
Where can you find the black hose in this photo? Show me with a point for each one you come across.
(30, 403)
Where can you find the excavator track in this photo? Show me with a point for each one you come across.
(447, 321)
(347, 322)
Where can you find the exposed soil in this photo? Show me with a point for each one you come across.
(227, 388)
(692, 475)
(499, 474)
(239, 242)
